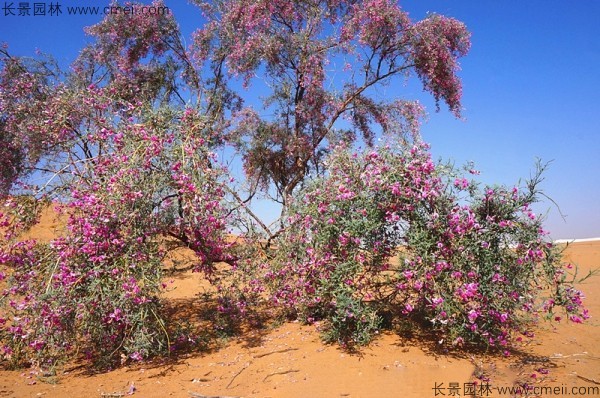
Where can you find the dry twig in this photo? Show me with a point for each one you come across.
(588, 379)
(238, 373)
(281, 373)
(275, 352)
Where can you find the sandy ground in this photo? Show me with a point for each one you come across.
(290, 361)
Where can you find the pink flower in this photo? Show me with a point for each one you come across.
(461, 183)
(136, 356)
(473, 315)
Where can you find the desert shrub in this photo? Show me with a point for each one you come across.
(129, 167)
(473, 264)
(95, 288)
(480, 267)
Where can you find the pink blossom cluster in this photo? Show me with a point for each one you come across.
(96, 286)
(437, 41)
(463, 252)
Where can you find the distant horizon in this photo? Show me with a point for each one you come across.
(576, 240)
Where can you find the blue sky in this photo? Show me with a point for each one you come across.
(531, 90)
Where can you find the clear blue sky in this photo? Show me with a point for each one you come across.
(531, 89)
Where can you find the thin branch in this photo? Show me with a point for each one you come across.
(276, 352)
(238, 373)
(248, 211)
(587, 379)
(281, 373)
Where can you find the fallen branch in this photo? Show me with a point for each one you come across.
(281, 373)
(275, 352)
(237, 374)
(588, 379)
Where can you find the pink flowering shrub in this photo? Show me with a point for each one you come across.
(127, 179)
(471, 264)
(480, 266)
(95, 288)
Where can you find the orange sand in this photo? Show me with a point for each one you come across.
(290, 361)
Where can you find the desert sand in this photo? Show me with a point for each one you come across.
(289, 360)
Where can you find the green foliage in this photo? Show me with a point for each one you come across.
(390, 232)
